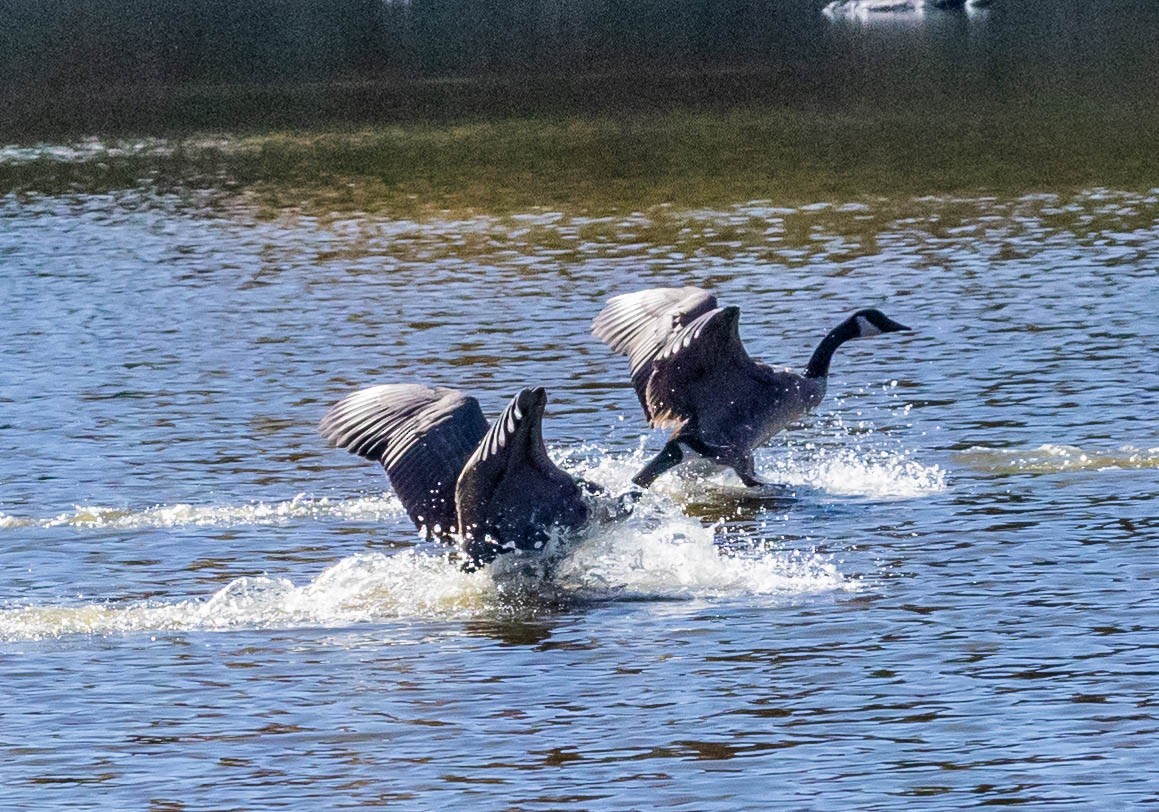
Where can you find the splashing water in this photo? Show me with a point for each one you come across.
(845, 471)
(655, 553)
(358, 589)
(665, 563)
(879, 474)
(679, 560)
(1051, 458)
(370, 508)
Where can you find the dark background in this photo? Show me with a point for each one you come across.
(142, 64)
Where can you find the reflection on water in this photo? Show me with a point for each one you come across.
(552, 55)
(948, 594)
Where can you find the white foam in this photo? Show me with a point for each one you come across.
(656, 553)
(868, 10)
(680, 560)
(1057, 458)
(645, 557)
(876, 474)
(848, 470)
(362, 588)
(302, 506)
(12, 521)
(870, 473)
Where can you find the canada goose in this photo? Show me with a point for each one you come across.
(692, 375)
(495, 489)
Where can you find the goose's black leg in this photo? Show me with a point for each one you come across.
(669, 457)
(747, 473)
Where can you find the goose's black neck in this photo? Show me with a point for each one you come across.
(819, 363)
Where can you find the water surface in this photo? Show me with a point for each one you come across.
(948, 602)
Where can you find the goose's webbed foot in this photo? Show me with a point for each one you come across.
(747, 473)
(669, 457)
(754, 482)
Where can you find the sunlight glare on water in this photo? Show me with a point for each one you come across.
(945, 595)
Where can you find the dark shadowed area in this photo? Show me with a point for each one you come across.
(130, 65)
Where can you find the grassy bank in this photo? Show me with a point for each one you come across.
(691, 156)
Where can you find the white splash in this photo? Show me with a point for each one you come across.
(362, 588)
(867, 9)
(876, 474)
(851, 471)
(656, 553)
(1055, 458)
(845, 470)
(680, 560)
(302, 506)
(666, 563)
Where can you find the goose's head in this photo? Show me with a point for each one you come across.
(530, 404)
(873, 322)
(532, 400)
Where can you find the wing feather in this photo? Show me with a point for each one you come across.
(641, 324)
(510, 490)
(422, 436)
(692, 371)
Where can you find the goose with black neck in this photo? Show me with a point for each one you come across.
(692, 375)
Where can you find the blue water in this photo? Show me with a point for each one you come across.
(951, 602)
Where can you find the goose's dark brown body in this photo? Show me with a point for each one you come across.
(692, 375)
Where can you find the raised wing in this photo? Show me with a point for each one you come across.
(694, 374)
(422, 436)
(510, 493)
(640, 325)
(507, 449)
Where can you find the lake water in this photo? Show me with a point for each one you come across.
(948, 601)
(951, 602)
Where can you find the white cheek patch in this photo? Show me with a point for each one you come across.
(866, 329)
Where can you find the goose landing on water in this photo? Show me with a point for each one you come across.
(692, 375)
(494, 489)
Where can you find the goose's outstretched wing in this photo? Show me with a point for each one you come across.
(510, 493)
(422, 436)
(696, 372)
(640, 325)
